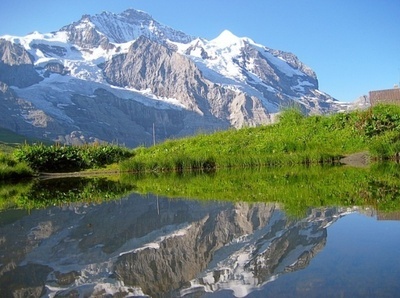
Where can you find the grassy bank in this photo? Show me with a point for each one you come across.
(10, 168)
(296, 139)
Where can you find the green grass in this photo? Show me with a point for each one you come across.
(11, 191)
(296, 139)
(10, 168)
(7, 148)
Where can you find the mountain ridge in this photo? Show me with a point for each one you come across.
(226, 82)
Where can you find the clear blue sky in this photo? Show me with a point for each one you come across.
(352, 45)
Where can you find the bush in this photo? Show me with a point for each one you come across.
(63, 158)
(385, 146)
(380, 119)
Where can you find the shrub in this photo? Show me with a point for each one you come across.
(63, 158)
(380, 119)
(385, 146)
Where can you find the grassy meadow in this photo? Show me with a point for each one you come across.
(294, 140)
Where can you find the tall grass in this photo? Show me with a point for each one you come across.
(10, 168)
(296, 139)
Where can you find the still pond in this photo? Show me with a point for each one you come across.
(140, 243)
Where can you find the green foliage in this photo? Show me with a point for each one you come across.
(295, 139)
(296, 188)
(10, 191)
(10, 168)
(7, 148)
(291, 116)
(382, 189)
(380, 119)
(63, 158)
(381, 125)
(385, 146)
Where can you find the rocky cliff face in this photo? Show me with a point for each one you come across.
(157, 247)
(109, 77)
(16, 65)
(23, 117)
(166, 73)
(151, 66)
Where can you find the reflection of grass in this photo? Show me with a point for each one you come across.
(58, 192)
(10, 192)
(297, 188)
(383, 187)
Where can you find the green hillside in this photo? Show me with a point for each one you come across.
(10, 140)
(295, 139)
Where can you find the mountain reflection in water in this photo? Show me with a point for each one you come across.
(149, 246)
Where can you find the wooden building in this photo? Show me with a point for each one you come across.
(389, 96)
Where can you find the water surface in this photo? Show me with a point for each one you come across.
(154, 246)
(286, 232)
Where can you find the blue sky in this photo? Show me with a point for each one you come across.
(352, 45)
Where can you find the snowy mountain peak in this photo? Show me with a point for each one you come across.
(121, 28)
(228, 39)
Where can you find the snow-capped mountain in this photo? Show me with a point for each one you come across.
(92, 31)
(112, 77)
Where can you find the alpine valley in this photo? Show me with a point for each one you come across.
(127, 79)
